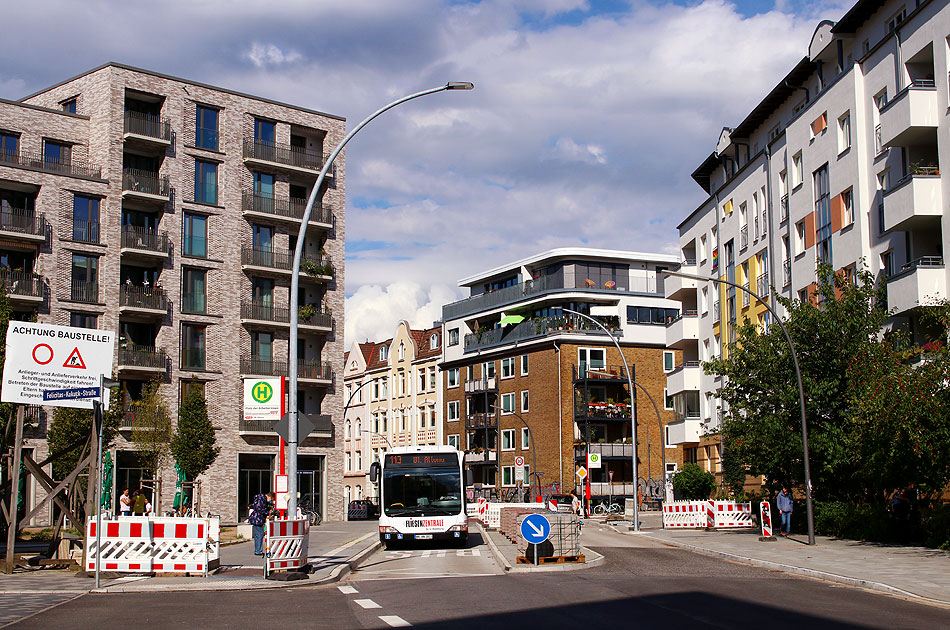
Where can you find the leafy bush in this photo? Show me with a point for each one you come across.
(692, 483)
(937, 528)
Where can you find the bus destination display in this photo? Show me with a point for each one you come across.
(422, 459)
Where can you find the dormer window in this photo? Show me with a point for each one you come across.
(433, 342)
(383, 353)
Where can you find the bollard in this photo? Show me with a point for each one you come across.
(765, 512)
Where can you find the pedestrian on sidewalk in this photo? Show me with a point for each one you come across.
(125, 504)
(138, 502)
(785, 506)
(257, 516)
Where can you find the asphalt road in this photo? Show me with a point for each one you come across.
(642, 585)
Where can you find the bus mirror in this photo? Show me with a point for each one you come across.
(469, 477)
(374, 472)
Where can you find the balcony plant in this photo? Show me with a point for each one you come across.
(306, 312)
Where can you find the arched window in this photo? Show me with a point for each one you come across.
(359, 427)
(347, 430)
(402, 351)
(434, 341)
(359, 492)
(346, 494)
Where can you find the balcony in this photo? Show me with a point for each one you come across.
(22, 225)
(914, 202)
(314, 372)
(676, 288)
(481, 421)
(278, 262)
(22, 286)
(683, 331)
(533, 329)
(142, 359)
(911, 117)
(36, 161)
(685, 378)
(323, 427)
(284, 209)
(482, 456)
(606, 451)
(145, 186)
(84, 292)
(256, 313)
(282, 156)
(601, 411)
(762, 285)
(142, 301)
(919, 282)
(599, 373)
(144, 242)
(686, 431)
(481, 385)
(146, 129)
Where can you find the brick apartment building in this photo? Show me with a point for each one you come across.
(167, 210)
(513, 364)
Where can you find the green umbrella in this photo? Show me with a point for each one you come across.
(511, 319)
(107, 467)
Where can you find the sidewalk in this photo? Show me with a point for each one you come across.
(333, 549)
(915, 572)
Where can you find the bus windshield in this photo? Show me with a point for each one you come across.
(422, 491)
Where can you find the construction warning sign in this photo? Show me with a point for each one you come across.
(44, 357)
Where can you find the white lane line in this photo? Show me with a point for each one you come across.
(441, 553)
(348, 590)
(395, 621)
(367, 603)
(426, 553)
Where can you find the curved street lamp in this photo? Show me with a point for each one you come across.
(295, 284)
(798, 378)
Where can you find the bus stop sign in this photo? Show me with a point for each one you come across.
(535, 528)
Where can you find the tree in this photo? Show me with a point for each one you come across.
(152, 429)
(71, 429)
(859, 396)
(193, 444)
(692, 483)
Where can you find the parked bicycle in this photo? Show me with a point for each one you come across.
(310, 513)
(603, 508)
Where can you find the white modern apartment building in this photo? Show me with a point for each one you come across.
(843, 161)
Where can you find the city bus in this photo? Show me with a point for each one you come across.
(421, 495)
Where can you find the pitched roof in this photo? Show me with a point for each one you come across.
(423, 347)
(373, 362)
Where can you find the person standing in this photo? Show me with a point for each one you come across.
(259, 512)
(785, 506)
(125, 504)
(138, 502)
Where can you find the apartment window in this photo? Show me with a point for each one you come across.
(432, 379)
(755, 215)
(508, 439)
(263, 187)
(799, 237)
(847, 203)
(508, 367)
(524, 365)
(591, 359)
(668, 361)
(9, 143)
(798, 173)
(507, 475)
(194, 235)
(453, 339)
(193, 347)
(402, 351)
(384, 387)
(452, 377)
(524, 400)
(452, 410)
(383, 353)
(422, 379)
(704, 300)
(508, 403)
(206, 128)
(56, 153)
(887, 264)
(470, 373)
(193, 287)
(702, 248)
(896, 20)
(667, 400)
(525, 439)
(433, 342)
(844, 132)
(819, 124)
(822, 214)
(83, 320)
(85, 278)
(883, 183)
(765, 212)
(85, 219)
(265, 132)
(69, 105)
(453, 440)
(488, 369)
(206, 182)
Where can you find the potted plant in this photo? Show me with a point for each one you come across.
(307, 312)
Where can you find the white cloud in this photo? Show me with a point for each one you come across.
(373, 311)
(569, 150)
(270, 55)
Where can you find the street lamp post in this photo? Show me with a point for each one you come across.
(798, 378)
(295, 283)
(633, 414)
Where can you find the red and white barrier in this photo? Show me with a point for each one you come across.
(142, 544)
(766, 512)
(285, 544)
(684, 514)
(728, 514)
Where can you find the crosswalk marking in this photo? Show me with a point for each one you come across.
(367, 603)
(395, 621)
(468, 552)
(348, 590)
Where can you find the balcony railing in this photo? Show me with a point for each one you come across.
(84, 291)
(149, 357)
(23, 222)
(784, 207)
(36, 160)
(283, 260)
(147, 182)
(685, 313)
(743, 237)
(598, 372)
(283, 154)
(150, 125)
(534, 328)
(614, 411)
(786, 273)
(685, 365)
(281, 315)
(289, 207)
(145, 239)
(604, 449)
(194, 302)
(314, 370)
(85, 231)
(489, 384)
(762, 285)
(21, 283)
(480, 420)
(142, 297)
(267, 426)
(923, 261)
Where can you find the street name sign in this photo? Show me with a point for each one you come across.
(45, 357)
(70, 394)
(535, 528)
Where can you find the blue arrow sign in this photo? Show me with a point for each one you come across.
(535, 528)
(71, 394)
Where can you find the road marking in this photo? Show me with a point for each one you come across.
(426, 553)
(349, 590)
(395, 621)
(367, 603)
(441, 553)
(468, 552)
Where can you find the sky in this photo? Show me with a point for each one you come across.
(585, 123)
